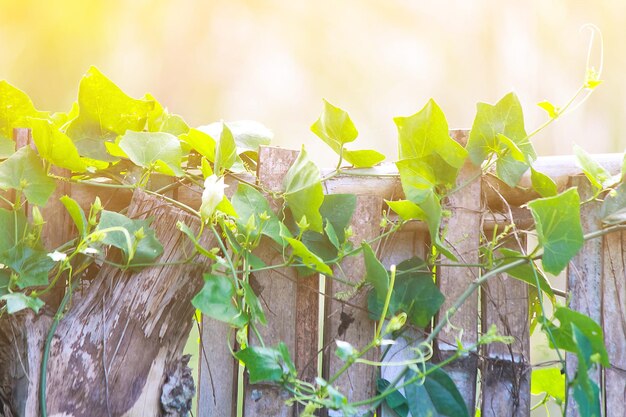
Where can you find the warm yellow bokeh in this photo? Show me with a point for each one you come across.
(274, 60)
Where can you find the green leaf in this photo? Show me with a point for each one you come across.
(76, 213)
(407, 210)
(14, 228)
(308, 258)
(256, 309)
(215, 300)
(249, 135)
(436, 396)
(334, 127)
(414, 293)
(5, 280)
(18, 301)
(331, 234)
(201, 143)
(543, 184)
(525, 272)
(586, 392)
(15, 107)
(266, 364)
(338, 209)
(192, 236)
(550, 381)
(375, 273)
(613, 210)
(303, 191)
(56, 146)
(426, 133)
(23, 171)
(550, 108)
(7, 147)
(505, 118)
(147, 249)
(248, 201)
(32, 265)
(160, 120)
(595, 173)
(105, 112)
(557, 220)
(396, 401)
(564, 338)
(363, 158)
(225, 152)
(158, 151)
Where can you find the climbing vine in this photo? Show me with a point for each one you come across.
(110, 140)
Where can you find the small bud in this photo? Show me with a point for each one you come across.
(348, 233)
(97, 205)
(140, 234)
(37, 217)
(303, 224)
(264, 216)
(97, 236)
(396, 323)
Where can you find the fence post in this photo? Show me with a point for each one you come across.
(277, 291)
(462, 234)
(349, 321)
(505, 373)
(614, 322)
(584, 276)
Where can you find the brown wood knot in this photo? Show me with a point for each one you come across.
(178, 390)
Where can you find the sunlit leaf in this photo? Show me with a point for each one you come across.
(215, 300)
(23, 171)
(550, 108)
(15, 107)
(248, 201)
(225, 151)
(158, 151)
(595, 173)
(543, 184)
(550, 381)
(55, 146)
(200, 142)
(308, 258)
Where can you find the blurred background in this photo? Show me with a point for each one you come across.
(273, 61)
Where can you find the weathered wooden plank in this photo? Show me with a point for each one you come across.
(403, 245)
(614, 322)
(584, 276)
(277, 290)
(217, 378)
(350, 322)
(462, 235)
(505, 374)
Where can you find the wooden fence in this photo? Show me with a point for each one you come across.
(297, 307)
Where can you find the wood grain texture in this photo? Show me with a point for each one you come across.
(350, 322)
(462, 234)
(403, 245)
(506, 369)
(614, 322)
(277, 290)
(584, 279)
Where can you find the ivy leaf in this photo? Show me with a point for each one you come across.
(105, 112)
(18, 301)
(14, 227)
(613, 210)
(551, 109)
(598, 176)
(543, 184)
(550, 381)
(525, 271)
(215, 300)
(363, 158)
(557, 220)
(30, 264)
(436, 396)
(56, 146)
(396, 401)
(147, 249)
(23, 172)
(507, 119)
(308, 258)
(407, 210)
(414, 293)
(335, 128)
(249, 135)
(426, 133)
(247, 202)
(564, 338)
(76, 213)
(201, 142)
(375, 273)
(303, 191)
(586, 392)
(226, 151)
(337, 210)
(253, 302)
(160, 120)
(156, 151)
(267, 364)
(15, 108)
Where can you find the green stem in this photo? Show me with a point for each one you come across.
(392, 281)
